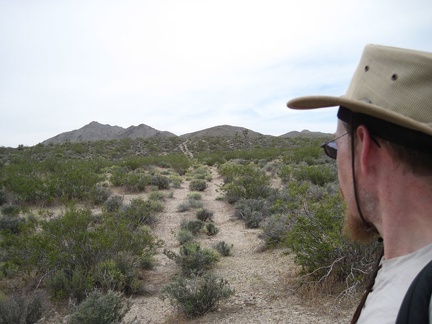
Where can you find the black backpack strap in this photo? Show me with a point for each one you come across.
(415, 305)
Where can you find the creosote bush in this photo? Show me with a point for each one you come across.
(204, 214)
(198, 185)
(211, 229)
(224, 248)
(23, 308)
(197, 295)
(252, 211)
(98, 307)
(192, 259)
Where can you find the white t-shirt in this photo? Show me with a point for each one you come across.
(391, 284)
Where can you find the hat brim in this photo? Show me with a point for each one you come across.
(316, 102)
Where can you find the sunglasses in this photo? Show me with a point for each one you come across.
(330, 147)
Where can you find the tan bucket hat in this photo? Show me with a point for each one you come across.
(392, 84)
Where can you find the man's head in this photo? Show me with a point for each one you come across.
(390, 100)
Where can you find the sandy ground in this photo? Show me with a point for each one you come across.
(261, 279)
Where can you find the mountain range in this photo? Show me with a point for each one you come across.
(97, 132)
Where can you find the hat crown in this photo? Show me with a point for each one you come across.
(399, 81)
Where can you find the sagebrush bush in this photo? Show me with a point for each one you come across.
(98, 308)
(140, 212)
(204, 214)
(196, 296)
(197, 185)
(160, 181)
(194, 196)
(11, 223)
(252, 211)
(275, 229)
(192, 259)
(211, 229)
(114, 203)
(157, 196)
(100, 194)
(185, 236)
(23, 308)
(193, 226)
(224, 248)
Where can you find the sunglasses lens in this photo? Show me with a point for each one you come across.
(330, 149)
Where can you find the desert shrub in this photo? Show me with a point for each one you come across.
(100, 194)
(184, 206)
(160, 181)
(194, 196)
(10, 210)
(192, 259)
(195, 204)
(190, 204)
(197, 295)
(252, 211)
(211, 229)
(114, 203)
(224, 248)
(157, 196)
(185, 236)
(109, 308)
(275, 229)
(134, 181)
(67, 250)
(319, 247)
(23, 308)
(140, 212)
(317, 174)
(244, 182)
(194, 226)
(176, 181)
(118, 274)
(204, 214)
(3, 197)
(198, 185)
(11, 223)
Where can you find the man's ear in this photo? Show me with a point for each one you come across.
(364, 147)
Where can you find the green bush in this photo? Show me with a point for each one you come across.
(194, 226)
(26, 309)
(194, 196)
(160, 181)
(319, 247)
(140, 212)
(244, 182)
(198, 185)
(114, 204)
(252, 211)
(211, 229)
(224, 248)
(185, 236)
(192, 259)
(275, 229)
(196, 296)
(156, 196)
(100, 194)
(190, 204)
(204, 214)
(67, 251)
(11, 223)
(97, 308)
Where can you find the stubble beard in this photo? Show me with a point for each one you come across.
(354, 226)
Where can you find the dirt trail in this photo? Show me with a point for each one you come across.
(260, 279)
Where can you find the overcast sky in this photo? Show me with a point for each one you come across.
(182, 66)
